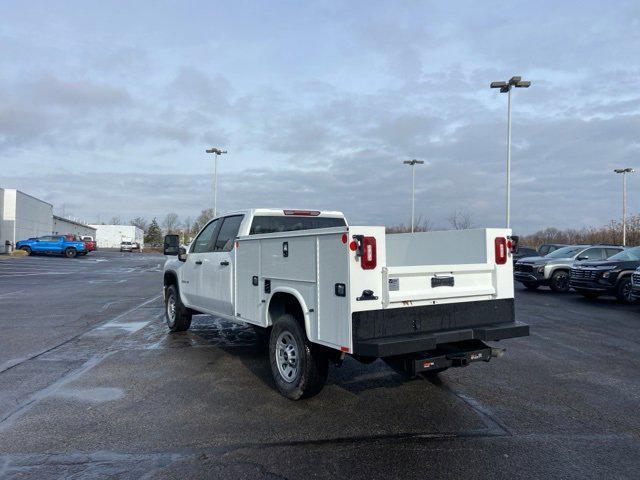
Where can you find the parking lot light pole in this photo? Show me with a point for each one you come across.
(505, 87)
(624, 172)
(216, 152)
(413, 164)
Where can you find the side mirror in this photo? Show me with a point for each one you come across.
(171, 245)
(583, 257)
(182, 254)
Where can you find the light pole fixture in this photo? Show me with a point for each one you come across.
(216, 152)
(624, 172)
(413, 164)
(505, 87)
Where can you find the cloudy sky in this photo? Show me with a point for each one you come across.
(107, 107)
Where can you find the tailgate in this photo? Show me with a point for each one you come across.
(443, 267)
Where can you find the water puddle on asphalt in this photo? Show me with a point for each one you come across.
(96, 395)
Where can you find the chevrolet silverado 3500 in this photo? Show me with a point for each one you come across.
(319, 290)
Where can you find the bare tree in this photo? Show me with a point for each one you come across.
(115, 221)
(187, 226)
(139, 222)
(421, 225)
(460, 220)
(201, 221)
(170, 223)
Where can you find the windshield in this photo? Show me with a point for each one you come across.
(565, 252)
(632, 254)
(126, 243)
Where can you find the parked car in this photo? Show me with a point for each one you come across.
(137, 246)
(547, 248)
(553, 269)
(57, 244)
(90, 246)
(89, 242)
(607, 277)
(126, 246)
(523, 252)
(320, 290)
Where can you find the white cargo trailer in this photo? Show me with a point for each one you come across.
(111, 236)
(320, 290)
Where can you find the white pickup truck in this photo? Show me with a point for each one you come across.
(319, 290)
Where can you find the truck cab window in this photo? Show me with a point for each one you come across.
(228, 233)
(202, 242)
(272, 224)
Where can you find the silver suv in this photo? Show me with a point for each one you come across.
(553, 269)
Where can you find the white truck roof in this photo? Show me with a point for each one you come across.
(287, 211)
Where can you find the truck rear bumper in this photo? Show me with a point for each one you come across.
(400, 331)
(404, 344)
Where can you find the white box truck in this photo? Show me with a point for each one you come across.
(319, 290)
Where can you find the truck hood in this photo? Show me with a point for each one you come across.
(545, 261)
(623, 265)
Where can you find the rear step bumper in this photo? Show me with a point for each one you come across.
(415, 343)
(445, 356)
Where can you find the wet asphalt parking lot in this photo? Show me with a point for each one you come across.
(92, 386)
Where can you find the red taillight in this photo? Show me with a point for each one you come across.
(369, 258)
(501, 250)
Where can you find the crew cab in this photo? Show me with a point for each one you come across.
(53, 244)
(607, 277)
(320, 290)
(553, 269)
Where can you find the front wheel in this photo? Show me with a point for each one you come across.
(299, 368)
(177, 315)
(623, 293)
(560, 281)
(27, 250)
(70, 253)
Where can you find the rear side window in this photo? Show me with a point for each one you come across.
(593, 254)
(274, 224)
(612, 251)
(228, 233)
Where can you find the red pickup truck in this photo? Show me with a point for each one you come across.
(89, 242)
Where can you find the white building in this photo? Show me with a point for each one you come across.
(110, 236)
(63, 226)
(23, 216)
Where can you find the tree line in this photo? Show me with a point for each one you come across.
(610, 233)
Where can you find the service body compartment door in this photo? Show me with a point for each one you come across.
(334, 325)
(249, 284)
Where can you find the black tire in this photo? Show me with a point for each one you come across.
(559, 282)
(178, 316)
(70, 252)
(299, 368)
(623, 291)
(531, 286)
(27, 250)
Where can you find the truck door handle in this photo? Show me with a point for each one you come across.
(199, 262)
(224, 263)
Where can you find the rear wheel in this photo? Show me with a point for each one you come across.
(560, 281)
(623, 292)
(70, 252)
(177, 315)
(299, 368)
(531, 285)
